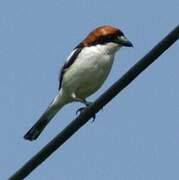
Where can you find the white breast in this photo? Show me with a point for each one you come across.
(89, 71)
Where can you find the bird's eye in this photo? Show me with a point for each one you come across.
(122, 40)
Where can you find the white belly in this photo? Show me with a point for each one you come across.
(88, 73)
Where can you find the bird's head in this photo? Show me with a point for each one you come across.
(107, 35)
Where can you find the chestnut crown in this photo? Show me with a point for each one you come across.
(106, 34)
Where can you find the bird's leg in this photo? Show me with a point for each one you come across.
(82, 108)
(86, 103)
(83, 101)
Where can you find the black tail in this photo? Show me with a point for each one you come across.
(39, 126)
(36, 129)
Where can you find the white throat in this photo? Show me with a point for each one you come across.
(108, 48)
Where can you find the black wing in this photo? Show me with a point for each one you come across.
(69, 62)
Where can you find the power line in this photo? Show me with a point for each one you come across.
(89, 112)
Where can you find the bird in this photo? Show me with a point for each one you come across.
(84, 72)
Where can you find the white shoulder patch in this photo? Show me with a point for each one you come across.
(71, 54)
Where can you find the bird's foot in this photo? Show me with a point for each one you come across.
(82, 109)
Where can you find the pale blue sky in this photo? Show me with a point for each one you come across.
(136, 136)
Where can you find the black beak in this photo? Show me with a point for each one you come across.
(122, 40)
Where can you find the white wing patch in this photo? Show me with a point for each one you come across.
(71, 54)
